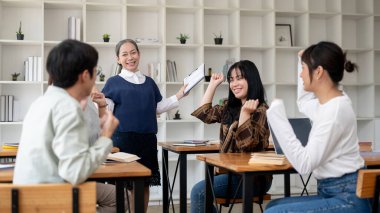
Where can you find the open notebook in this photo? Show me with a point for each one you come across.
(301, 127)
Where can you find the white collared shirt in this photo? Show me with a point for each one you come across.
(138, 78)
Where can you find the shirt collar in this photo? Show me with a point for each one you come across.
(129, 74)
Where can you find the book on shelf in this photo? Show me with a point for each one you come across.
(10, 146)
(122, 157)
(194, 78)
(267, 158)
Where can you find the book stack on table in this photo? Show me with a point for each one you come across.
(267, 158)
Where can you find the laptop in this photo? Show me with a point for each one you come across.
(301, 127)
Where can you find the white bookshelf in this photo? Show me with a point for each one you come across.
(248, 29)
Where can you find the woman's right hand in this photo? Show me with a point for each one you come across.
(216, 79)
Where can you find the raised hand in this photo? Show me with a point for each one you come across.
(180, 94)
(216, 79)
(250, 106)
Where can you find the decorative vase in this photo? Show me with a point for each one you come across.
(106, 39)
(20, 36)
(218, 41)
(183, 41)
(14, 78)
(101, 78)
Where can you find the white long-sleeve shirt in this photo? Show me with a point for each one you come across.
(138, 78)
(332, 149)
(54, 145)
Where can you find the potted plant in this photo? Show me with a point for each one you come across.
(177, 116)
(15, 76)
(102, 77)
(218, 38)
(19, 34)
(182, 38)
(106, 37)
(100, 73)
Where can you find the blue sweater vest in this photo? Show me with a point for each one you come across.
(135, 104)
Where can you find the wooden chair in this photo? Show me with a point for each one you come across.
(47, 198)
(368, 186)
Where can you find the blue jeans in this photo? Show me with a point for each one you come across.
(261, 186)
(334, 195)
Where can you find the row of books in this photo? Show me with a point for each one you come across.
(171, 71)
(154, 71)
(74, 28)
(6, 108)
(33, 68)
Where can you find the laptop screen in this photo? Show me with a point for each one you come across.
(301, 128)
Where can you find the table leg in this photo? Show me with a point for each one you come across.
(165, 188)
(120, 196)
(183, 183)
(209, 181)
(247, 192)
(287, 184)
(138, 186)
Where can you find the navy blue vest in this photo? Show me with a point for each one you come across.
(135, 104)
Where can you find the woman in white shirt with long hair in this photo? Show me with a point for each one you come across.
(332, 152)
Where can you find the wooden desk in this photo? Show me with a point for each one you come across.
(13, 153)
(118, 172)
(372, 159)
(238, 163)
(182, 151)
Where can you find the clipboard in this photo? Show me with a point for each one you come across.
(194, 78)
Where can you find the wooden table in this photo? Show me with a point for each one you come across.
(13, 153)
(182, 151)
(238, 163)
(118, 172)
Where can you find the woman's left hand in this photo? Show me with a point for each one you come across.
(98, 98)
(180, 94)
(250, 106)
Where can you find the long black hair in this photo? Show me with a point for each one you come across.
(248, 71)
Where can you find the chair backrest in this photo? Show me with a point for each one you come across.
(365, 187)
(44, 198)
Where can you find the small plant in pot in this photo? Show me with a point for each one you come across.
(218, 39)
(182, 38)
(15, 76)
(106, 37)
(19, 34)
(100, 73)
(177, 116)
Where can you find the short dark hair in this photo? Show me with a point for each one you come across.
(69, 59)
(331, 57)
(256, 89)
